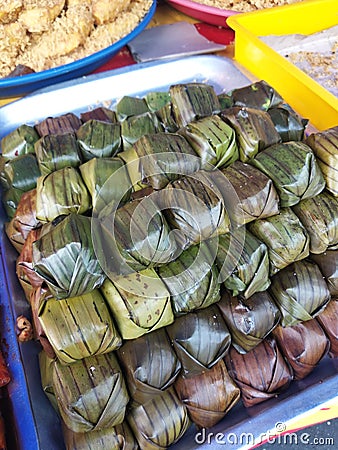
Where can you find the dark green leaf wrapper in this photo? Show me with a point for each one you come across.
(149, 365)
(300, 292)
(328, 265)
(260, 374)
(284, 235)
(56, 151)
(294, 170)
(328, 321)
(129, 106)
(91, 393)
(249, 320)
(135, 127)
(303, 345)
(254, 130)
(64, 257)
(21, 173)
(259, 95)
(319, 215)
(10, 200)
(200, 340)
(209, 396)
(192, 280)
(289, 125)
(160, 422)
(98, 139)
(324, 145)
(19, 142)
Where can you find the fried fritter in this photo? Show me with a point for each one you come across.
(38, 15)
(106, 10)
(9, 10)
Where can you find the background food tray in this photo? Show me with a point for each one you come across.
(37, 425)
(309, 98)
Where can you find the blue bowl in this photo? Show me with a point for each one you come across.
(18, 86)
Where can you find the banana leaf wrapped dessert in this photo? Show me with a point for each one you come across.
(259, 95)
(319, 215)
(61, 192)
(300, 292)
(243, 263)
(303, 345)
(119, 437)
(260, 374)
(290, 126)
(64, 257)
(21, 173)
(133, 237)
(166, 118)
(38, 295)
(249, 320)
(213, 141)
(192, 279)
(10, 200)
(139, 303)
(225, 100)
(56, 151)
(79, 327)
(97, 139)
(46, 373)
(294, 170)
(200, 339)
(284, 235)
(100, 113)
(324, 145)
(328, 321)
(110, 173)
(25, 215)
(328, 265)
(134, 127)
(149, 365)
(256, 193)
(254, 130)
(192, 101)
(164, 157)
(129, 106)
(91, 393)
(157, 100)
(160, 422)
(65, 123)
(209, 396)
(195, 207)
(19, 142)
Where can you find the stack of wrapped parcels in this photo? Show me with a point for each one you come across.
(179, 253)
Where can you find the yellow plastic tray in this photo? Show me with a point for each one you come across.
(306, 96)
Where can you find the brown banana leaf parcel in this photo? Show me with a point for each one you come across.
(91, 393)
(328, 265)
(243, 264)
(56, 151)
(319, 215)
(160, 422)
(134, 237)
(259, 95)
(256, 193)
(149, 364)
(328, 321)
(194, 206)
(19, 142)
(209, 396)
(164, 157)
(213, 141)
(254, 129)
(61, 192)
(192, 279)
(285, 237)
(192, 101)
(324, 145)
(200, 339)
(293, 168)
(300, 292)
(78, 327)
(260, 374)
(139, 303)
(14, 234)
(100, 113)
(303, 345)
(25, 215)
(65, 123)
(249, 320)
(97, 139)
(119, 437)
(64, 257)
